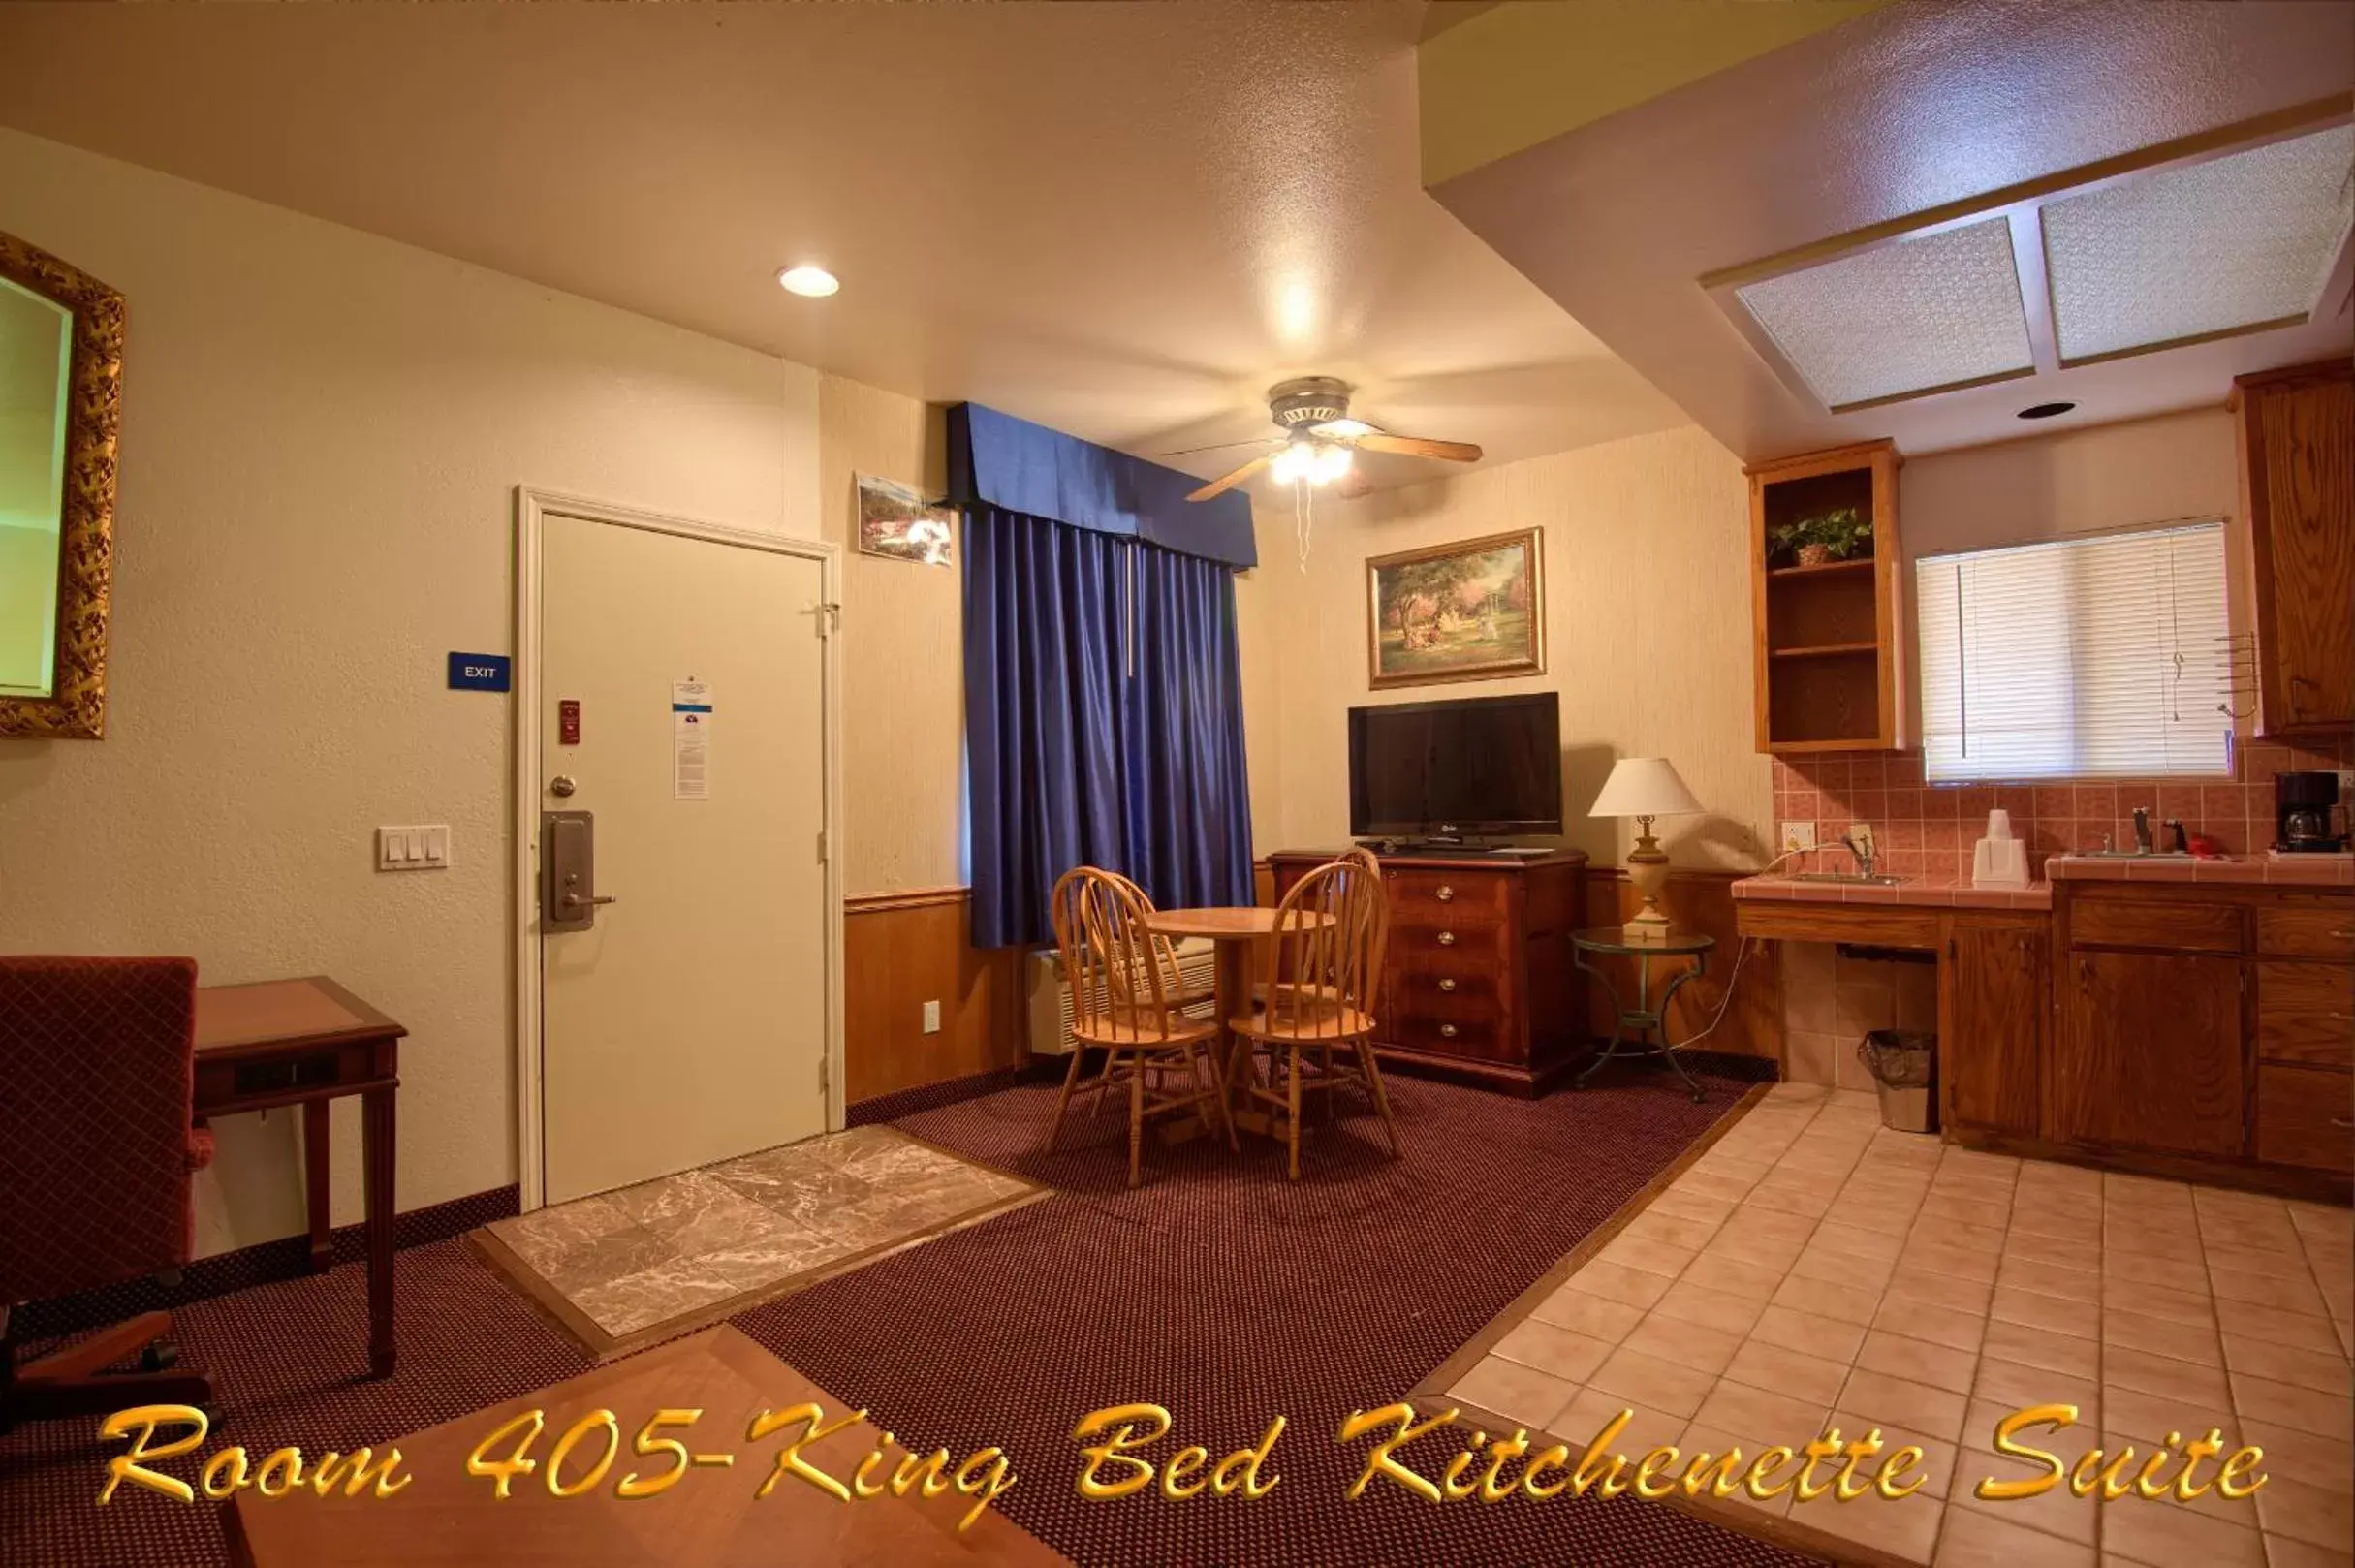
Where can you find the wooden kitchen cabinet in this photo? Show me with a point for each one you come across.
(2297, 437)
(1995, 994)
(2149, 1054)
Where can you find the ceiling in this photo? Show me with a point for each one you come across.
(1124, 221)
(1894, 113)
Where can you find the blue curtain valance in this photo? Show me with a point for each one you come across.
(998, 461)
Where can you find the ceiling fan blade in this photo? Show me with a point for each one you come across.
(1345, 429)
(1415, 446)
(1220, 446)
(1228, 481)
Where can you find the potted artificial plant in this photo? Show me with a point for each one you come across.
(1839, 535)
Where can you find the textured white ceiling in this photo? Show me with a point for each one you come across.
(1924, 104)
(1121, 220)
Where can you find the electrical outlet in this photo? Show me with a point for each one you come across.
(931, 1018)
(1796, 835)
(2346, 787)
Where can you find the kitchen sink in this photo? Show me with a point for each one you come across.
(2130, 854)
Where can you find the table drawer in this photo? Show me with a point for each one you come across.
(2307, 930)
(1440, 897)
(2155, 922)
(2306, 1013)
(2303, 1118)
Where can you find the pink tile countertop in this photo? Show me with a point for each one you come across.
(1931, 892)
(2270, 870)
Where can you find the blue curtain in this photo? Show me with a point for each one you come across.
(1103, 721)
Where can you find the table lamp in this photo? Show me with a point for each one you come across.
(1644, 788)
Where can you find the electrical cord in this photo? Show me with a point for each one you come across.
(1741, 955)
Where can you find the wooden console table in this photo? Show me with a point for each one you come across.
(306, 1041)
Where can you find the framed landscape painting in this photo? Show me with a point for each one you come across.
(1471, 611)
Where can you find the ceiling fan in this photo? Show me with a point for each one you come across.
(1320, 442)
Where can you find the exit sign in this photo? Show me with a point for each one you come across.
(480, 672)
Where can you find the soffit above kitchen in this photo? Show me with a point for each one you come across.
(1122, 221)
(1920, 221)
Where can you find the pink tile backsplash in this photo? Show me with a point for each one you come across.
(1929, 831)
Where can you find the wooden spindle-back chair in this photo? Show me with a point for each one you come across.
(1321, 977)
(1125, 996)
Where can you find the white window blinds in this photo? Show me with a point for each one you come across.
(2078, 658)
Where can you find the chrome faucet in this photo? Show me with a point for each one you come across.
(2142, 829)
(1866, 858)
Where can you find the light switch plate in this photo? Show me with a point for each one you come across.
(1798, 835)
(931, 1018)
(413, 849)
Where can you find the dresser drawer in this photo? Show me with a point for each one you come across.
(1440, 898)
(2304, 1117)
(2306, 1013)
(1479, 1033)
(2307, 930)
(1452, 946)
(2181, 927)
(1440, 990)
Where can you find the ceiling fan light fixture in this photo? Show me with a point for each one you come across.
(1331, 463)
(1295, 462)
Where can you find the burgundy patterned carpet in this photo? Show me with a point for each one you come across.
(1217, 1289)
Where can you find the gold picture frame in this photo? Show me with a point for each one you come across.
(76, 707)
(1470, 610)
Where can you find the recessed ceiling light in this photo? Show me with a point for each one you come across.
(810, 282)
(2045, 411)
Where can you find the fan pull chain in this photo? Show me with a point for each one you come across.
(1303, 520)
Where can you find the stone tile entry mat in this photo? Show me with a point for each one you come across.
(623, 1269)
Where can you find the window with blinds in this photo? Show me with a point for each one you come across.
(2078, 658)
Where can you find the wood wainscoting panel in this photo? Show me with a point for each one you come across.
(900, 950)
(1700, 902)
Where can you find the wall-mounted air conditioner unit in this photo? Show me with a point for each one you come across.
(1050, 996)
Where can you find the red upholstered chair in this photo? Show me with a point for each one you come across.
(98, 1057)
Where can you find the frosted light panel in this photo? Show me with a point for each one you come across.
(2231, 242)
(1909, 317)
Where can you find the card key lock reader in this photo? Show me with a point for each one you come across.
(568, 871)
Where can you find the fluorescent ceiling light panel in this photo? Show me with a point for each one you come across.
(1912, 316)
(2214, 246)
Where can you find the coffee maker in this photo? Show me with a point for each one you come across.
(2306, 813)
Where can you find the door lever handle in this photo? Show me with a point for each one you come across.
(573, 901)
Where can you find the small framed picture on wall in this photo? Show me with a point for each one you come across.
(1474, 610)
(895, 519)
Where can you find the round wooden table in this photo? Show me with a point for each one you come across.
(1238, 930)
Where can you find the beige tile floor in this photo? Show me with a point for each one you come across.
(1815, 1269)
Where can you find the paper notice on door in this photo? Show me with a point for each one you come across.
(690, 741)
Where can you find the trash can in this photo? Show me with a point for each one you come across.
(1904, 1064)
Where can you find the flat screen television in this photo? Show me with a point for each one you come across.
(1477, 768)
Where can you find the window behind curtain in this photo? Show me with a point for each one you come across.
(2078, 658)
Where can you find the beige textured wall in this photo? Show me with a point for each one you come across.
(1648, 625)
(321, 435)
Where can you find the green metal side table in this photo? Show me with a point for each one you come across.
(1642, 1030)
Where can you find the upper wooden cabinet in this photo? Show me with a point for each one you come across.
(2297, 491)
(1829, 659)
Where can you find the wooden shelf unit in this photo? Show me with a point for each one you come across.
(1829, 667)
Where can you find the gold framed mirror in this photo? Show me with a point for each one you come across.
(61, 372)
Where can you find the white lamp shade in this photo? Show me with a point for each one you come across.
(1644, 787)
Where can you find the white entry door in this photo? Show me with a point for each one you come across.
(681, 696)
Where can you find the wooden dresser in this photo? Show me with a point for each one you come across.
(1478, 980)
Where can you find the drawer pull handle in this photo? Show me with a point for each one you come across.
(1447, 1031)
(1447, 939)
(1448, 983)
(2343, 1123)
(1447, 894)
(2345, 936)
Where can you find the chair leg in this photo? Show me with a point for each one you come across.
(1292, 1122)
(1136, 1121)
(1212, 1096)
(1062, 1100)
(1381, 1096)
